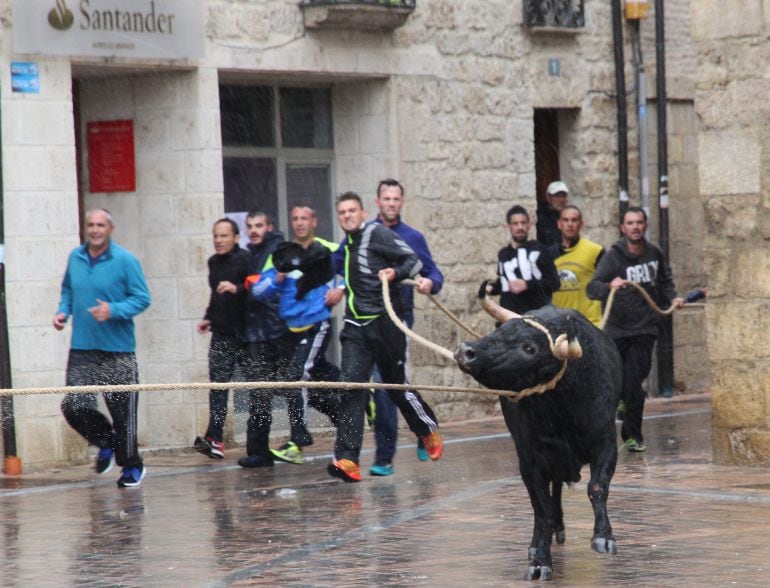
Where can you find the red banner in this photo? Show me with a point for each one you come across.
(111, 166)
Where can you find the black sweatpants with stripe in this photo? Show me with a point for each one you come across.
(382, 342)
(308, 362)
(104, 368)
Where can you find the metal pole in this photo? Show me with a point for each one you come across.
(641, 99)
(6, 403)
(620, 101)
(666, 331)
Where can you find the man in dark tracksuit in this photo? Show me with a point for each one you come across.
(632, 323)
(268, 340)
(526, 273)
(370, 336)
(228, 268)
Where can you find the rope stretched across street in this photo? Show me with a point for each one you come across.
(513, 395)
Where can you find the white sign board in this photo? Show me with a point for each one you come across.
(153, 29)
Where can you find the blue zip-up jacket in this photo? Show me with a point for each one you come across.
(305, 312)
(115, 277)
(417, 242)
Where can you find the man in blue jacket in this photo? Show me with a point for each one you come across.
(390, 201)
(103, 290)
(302, 275)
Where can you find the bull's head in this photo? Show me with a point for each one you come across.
(564, 347)
(524, 352)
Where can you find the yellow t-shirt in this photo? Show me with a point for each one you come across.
(576, 268)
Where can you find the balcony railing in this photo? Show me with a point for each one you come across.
(567, 14)
(356, 14)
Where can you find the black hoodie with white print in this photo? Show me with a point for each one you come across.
(630, 314)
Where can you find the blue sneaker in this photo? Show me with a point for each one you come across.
(132, 476)
(105, 459)
(422, 453)
(381, 470)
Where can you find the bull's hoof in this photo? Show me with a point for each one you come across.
(539, 572)
(604, 545)
(561, 537)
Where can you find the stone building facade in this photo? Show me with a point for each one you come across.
(446, 102)
(734, 153)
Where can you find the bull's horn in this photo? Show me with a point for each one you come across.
(575, 350)
(496, 311)
(563, 348)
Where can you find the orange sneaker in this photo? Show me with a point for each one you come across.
(434, 444)
(345, 469)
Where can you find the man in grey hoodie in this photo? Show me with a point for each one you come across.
(632, 324)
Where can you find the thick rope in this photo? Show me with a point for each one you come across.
(446, 311)
(514, 396)
(406, 330)
(645, 295)
(242, 386)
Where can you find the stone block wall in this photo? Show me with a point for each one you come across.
(40, 213)
(734, 153)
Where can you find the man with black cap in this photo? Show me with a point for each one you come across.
(548, 213)
(301, 276)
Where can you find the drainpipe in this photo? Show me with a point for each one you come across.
(620, 99)
(11, 463)
(666, 332)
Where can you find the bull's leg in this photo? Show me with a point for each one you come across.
(558, 513)
(540, 565)
(603, 460)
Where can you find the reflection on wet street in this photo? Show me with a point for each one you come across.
(463, 521)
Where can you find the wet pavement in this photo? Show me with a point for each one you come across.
(463, 521)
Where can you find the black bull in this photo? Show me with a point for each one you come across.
(558, 431)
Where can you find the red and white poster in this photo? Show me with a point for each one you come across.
(111, 166)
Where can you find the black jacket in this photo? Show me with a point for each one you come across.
(364, 254)
(262, 320)
(226, 310)
(546, 228)
(631, 315)
(532, 263)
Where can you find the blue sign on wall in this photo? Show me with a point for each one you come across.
(25, 77)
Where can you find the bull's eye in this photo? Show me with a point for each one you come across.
(529, 348)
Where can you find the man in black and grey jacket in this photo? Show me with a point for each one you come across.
(632, 324)
(369, 335)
